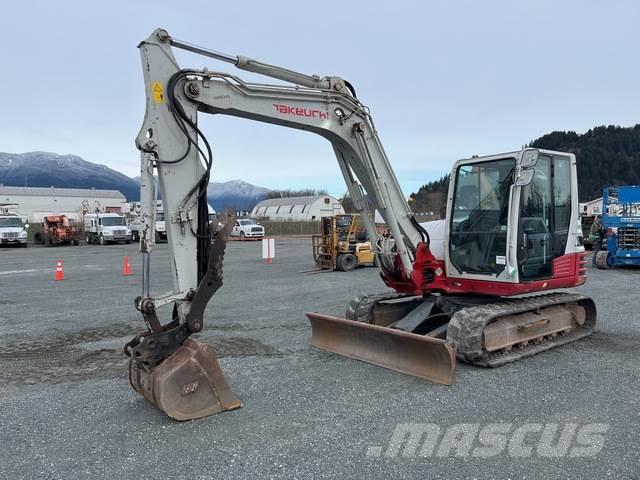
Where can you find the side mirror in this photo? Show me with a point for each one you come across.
(525, 176)
(529, 157)
(26, 226)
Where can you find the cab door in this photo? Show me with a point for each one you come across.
(480, 219)
(545, 213)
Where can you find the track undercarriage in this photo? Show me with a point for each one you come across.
(479, 330)
(486, 331)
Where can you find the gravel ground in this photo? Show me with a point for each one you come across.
(68, 411)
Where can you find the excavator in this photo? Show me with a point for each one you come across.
(471, 287)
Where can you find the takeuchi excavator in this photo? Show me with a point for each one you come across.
(457, 286)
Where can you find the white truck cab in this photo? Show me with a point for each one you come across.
(214, 222)
(160, 227)
(13, 229)
(106, 228)
(247, 228)
(133, 218)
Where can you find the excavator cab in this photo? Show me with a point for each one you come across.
(509, 219)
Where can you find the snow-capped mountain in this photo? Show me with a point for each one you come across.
(45, 169)
(235, 195)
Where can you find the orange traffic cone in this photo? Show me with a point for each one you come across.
(59, 272)
(126, 268)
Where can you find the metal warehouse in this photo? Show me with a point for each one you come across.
(298, 208)
(36, 202)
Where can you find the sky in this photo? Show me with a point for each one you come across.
(444, 80)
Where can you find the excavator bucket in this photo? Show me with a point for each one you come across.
(421, 356)
(187, 385)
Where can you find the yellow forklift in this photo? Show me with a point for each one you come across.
(343, 244)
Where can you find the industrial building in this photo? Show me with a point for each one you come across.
(36, 202)
(308, 209)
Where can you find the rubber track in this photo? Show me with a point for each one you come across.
(467, 326)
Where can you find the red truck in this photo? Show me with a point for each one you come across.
(58, 230)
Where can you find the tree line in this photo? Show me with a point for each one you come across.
(286, 193)
(606, 156)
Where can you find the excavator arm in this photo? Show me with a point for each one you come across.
(172, 145)
(326, 106)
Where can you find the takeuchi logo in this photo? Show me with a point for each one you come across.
(300, 111)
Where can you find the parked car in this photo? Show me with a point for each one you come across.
(247, 228)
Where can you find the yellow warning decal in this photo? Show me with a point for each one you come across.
(158, 92)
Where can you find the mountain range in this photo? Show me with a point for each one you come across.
(235, 195)
(46, 169)
(606, 155)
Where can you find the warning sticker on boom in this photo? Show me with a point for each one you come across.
(158, 92)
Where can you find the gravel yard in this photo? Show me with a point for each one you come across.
(68, 411)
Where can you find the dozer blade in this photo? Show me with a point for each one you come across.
(187, 385)
(425, 357)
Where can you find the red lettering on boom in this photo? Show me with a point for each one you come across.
(300, 111)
